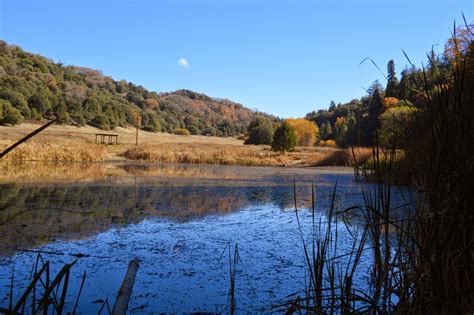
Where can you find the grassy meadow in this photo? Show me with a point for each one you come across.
(60, 143)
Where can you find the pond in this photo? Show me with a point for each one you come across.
(182, 221)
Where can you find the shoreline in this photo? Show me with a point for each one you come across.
(60, 143)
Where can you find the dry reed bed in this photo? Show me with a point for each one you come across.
(339, 157)
(207, 154)
(54, 152)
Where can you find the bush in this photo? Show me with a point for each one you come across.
(193, 130)
(9, 114)
(329, 144)
(182, 132)
(34, 114)
(284, 138)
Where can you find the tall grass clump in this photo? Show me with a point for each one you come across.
(334, 276)
(56, 152)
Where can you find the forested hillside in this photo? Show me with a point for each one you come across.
(33, 87)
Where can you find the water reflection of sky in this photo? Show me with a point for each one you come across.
(179, 227)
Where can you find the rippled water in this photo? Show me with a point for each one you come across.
(182, 222)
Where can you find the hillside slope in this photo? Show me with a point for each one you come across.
(33, 87)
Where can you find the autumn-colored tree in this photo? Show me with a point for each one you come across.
(389, 102)
(306, 131)
(340, 130)
(457, 46)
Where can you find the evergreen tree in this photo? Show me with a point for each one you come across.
(327, 131)
(392, 83)
(375, 86)
(62, 115)
(351, 134)
(375, 110)
(284, 138)
(260, 131)
(341, 132)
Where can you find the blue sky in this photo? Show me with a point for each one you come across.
(282, 57)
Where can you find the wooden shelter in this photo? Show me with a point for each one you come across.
(106, 138)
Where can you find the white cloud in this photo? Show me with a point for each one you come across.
(183, 63)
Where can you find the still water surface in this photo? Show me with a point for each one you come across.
(180, 220)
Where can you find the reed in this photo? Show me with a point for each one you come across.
(44, 292)
(331, 288)
(441, 155)
(423, 260)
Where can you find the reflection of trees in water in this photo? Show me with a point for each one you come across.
(31, 216)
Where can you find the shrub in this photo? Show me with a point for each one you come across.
(329, 144)
(9, 114)
(181, 132)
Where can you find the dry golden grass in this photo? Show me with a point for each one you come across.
(339, 157)
(334, 157)
(358, 155)
(207, 154)
(86, 134)
(55, 152)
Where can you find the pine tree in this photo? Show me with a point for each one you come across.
(392, 83)
(375, 110)
(61, 113)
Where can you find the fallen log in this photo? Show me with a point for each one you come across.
(125, 291)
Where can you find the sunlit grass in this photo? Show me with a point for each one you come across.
(55, 152)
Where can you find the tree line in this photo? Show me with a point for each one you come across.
(378, 118)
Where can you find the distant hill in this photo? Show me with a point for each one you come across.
(33, 87)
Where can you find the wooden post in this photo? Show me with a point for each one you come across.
(136, 140)
(125, 291)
